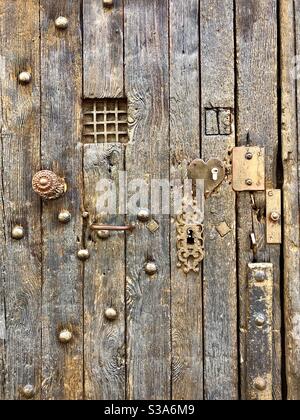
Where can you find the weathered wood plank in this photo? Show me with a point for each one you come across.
(257, 123)
(20, 284)
(103, 49)
(61, 67)
(104, 279)
(148, 297)
(290, 41)
(187, 346)
(219, 267)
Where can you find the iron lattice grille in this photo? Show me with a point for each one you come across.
(105, 121)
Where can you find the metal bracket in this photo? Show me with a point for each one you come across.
(248, 168)
(259, 331)
(273, 216)
(212, 172)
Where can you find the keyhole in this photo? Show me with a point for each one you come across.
(190, 237)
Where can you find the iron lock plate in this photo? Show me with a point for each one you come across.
(273, 216)
(248, 168)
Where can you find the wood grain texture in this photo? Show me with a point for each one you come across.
(103, 49)
(61, 67)
(290, 38)
(187, 346)
(147, 156)
(20, 261)
(256, 28)
(104, 280)
(219, 266)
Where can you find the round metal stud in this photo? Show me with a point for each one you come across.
(83, 254)
(28, 391)
(260, 276)
(143, 215)
(65, 336)
(48, 185)
(275, 216)
(111, 314)
(85, 215)
(150, 268)
(64, 216)
(260, 384)
(61, 22)
(260, 320)
(249, 155)
(249, 182)
(17, 233)
(103, 234)
(25, 77)
(108, 3)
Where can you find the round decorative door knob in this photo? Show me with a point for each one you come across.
(48, 185)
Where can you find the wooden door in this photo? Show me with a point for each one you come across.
(131, 92)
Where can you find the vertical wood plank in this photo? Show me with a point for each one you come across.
(148, 297)
(290, 42)
(187, 346)
(61, 73)
(256, 29)
(104, 281)
(103, 49)
(219, 267)
(20, 261)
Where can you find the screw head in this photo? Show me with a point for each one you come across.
(83, 254)
(143, 215)
(260, 384)
(249, 155)
(103, 234)
(111, 314)
(25, 77)
(61, 22)
(17, 233)
(270, 193)
(64, 216)
(150, 268)
(28, 391)
(275, 216)
(249, 182)
(260, 320)
(65, 336)
(260, 276)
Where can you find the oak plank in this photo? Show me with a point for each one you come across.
(257, 124)
(187, 346)
(290, 37)
(104, 280)
(61, 77)
(103, 49)
(20, 260)
(219, 266)
(147, 157)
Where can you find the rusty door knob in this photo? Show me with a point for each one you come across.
(48, 185)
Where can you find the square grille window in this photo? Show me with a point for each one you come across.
(105, 121)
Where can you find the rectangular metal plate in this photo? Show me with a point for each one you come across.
(273, 205)
(248, 168)
(259, 331)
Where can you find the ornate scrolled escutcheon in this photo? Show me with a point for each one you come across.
(48, 185)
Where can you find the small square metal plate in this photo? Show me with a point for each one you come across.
(248, 168)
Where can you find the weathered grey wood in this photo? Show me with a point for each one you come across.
(20, 261)
(61, 67)
(258, 124)
(148, 297)
(187, 346)
(219, 267)
(103, 49)
(104, 280)
(289, 20)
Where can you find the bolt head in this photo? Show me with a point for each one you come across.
(143, 215)
(260, 320)
(275, 216)
(28, 391)
(249, 182)
(111, 314)
(64, 216)
(24, 77)
(150, 268)
(103, 234)
(17, 233)
(249, 155)
(260, 276)
(260, 384)
(83, 254)
(61, 22)
(65, 336)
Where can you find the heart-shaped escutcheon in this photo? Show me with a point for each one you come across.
(212, 172)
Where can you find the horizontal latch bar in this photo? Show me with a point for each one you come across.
(112, 227)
